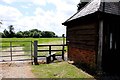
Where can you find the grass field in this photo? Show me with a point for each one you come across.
(22, 43)
(40, 40)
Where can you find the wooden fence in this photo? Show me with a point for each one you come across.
(50, 50)
(10, 52)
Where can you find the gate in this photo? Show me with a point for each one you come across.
(16, 51)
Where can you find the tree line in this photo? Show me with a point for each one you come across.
(34, 33)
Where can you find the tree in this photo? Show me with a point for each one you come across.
(19, 34)
(11, 31)
(33, 30)
(6, 34)
(26, 34)
(36, 35)
(48, 34)
(0, 24)
(1, 34)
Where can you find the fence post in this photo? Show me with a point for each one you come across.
(50, 52)
(63, 46)
(11, 50)
(63, 52)
(35, 53)
(63, 38)
(31, 50)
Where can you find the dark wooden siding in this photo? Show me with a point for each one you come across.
(83, 36)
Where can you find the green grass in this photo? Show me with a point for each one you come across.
(40, 40)
(58, 70)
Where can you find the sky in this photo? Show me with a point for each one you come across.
(45, 15)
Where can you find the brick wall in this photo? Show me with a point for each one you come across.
(87, 57)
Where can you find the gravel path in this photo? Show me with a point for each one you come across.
(15, 69)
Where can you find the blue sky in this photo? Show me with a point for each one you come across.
(45, 15)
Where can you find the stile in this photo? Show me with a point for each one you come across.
(48, 57)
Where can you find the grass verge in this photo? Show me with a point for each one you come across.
(58, 70)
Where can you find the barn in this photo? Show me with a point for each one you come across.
(93, 36)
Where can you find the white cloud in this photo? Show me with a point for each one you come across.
(40, 2)
(53, 20)
(42, 19)
(9, 1)
(9, 13)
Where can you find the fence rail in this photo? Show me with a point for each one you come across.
(50, 50)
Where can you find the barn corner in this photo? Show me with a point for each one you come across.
(92, 36)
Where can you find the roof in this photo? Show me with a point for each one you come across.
(111, 7)
(97, 5)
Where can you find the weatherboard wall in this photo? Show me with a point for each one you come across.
(82, 42)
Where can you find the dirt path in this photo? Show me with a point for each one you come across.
(15, 69)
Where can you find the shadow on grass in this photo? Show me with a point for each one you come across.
(93, 72)
(85, 68)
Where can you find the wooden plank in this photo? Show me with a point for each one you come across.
(41, 56)
(89, 26)
(12, 46)
(86, 37)
(89, 47)
(22, 60)
(82, 32)
(91, 43)
(41, 45)
(48, 50)
(6, 56)
(15, 41)
(87, 32)
(15, 55)
(58, 55)
(82, 42)
(18, 51)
